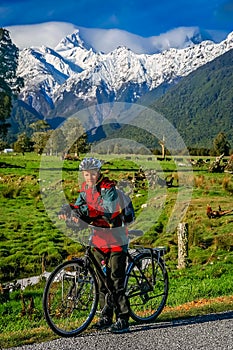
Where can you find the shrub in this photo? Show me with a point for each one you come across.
(227, 185)
(11, 192)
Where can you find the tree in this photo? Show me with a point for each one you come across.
(221, 145)
(22, 144)
(39, 140)
(76, 138)
(40, 125)
(116, 148)
(9, 82)
(3, 144)
(56, 143)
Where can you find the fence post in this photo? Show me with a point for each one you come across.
(182, 232)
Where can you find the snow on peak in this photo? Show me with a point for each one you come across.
(71, 41)
(74, 68)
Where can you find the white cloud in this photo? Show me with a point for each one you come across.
(48, 34)
(106, 40)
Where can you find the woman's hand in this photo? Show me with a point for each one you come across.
(62, 217)
(75, 219)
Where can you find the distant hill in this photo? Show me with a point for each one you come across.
(201, 104)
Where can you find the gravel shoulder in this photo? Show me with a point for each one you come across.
(214, 331)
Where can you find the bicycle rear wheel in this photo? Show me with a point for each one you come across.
(70, 298)
(146, 287)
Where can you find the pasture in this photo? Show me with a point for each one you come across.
(32, 241)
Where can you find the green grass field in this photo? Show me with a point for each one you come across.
(32, 241)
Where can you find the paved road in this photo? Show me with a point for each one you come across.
(211, 332)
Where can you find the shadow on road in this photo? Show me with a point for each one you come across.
(134, 328)
(184, 322)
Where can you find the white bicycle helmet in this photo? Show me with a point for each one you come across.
(90, 164)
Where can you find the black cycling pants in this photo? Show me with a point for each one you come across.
(115, 270)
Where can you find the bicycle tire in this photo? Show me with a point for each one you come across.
(146, 300)
(70, 298)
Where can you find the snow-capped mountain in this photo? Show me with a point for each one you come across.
(60, 81)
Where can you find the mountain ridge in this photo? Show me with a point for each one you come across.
(61, 81)
(75, 70)
(200, 106)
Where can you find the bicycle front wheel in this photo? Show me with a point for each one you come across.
(146, 287)
(70, 298)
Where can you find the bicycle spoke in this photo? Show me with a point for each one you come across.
(147, 292)
(70, 299)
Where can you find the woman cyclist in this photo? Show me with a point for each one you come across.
(99, 202)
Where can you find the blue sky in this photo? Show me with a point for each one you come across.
(142, 17)
(141, 25)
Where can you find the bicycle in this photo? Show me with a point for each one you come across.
(70, 298)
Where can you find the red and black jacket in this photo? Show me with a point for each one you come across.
(101, 205)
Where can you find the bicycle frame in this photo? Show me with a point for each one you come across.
(159, 252)
(90, 258)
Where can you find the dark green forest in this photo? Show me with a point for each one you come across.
(201, 105)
